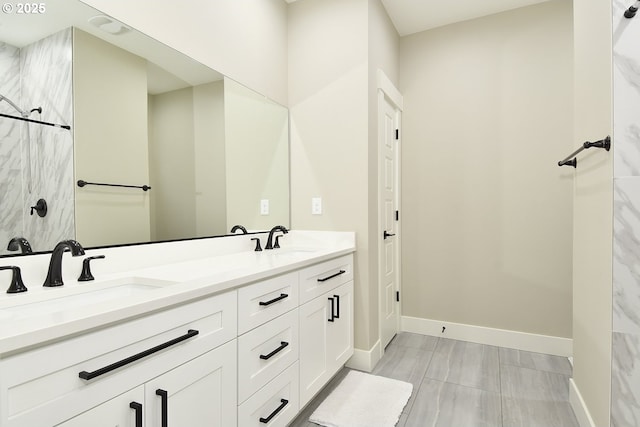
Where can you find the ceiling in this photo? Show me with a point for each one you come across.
(413, 16)
(167, 69)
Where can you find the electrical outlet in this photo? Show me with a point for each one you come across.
(316, 206)
(264, 207)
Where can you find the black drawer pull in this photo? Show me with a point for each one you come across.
(138, 408)
(283, 345)
(283, 403)
(164, 398)
(332, 309)
(337, 297)
(91, 375)
(332, 276)
(281, 297)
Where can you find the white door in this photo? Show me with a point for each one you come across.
(388, 137)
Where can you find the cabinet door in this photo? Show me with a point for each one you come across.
(117, 412)
(314, 360)
(340, 331)
(200, 393)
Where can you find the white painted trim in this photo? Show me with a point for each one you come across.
(499, 337)
(389, 89)
(579, 407)
(365, 360)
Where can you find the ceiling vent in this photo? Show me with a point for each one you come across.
(109, 25)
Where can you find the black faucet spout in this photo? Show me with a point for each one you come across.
(239, 227)
(54, 276)
(20, 243)
(272, 232)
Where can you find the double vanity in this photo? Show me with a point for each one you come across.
(206, 332)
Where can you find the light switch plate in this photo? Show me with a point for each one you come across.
(316, 206)
(264, 207)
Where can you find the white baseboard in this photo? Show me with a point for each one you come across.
(578, 406)
(499, 337)
(365, 360)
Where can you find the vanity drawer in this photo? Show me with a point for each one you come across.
(262, 301)
(320, 278)
(47, 380)
(276, 402)
(265, 352)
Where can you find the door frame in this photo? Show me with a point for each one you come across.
(387, 90)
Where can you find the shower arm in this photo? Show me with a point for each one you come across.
(8, 101)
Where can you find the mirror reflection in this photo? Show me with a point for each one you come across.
(213, 152)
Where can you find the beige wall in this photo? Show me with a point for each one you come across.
(257, 158)
(593, 205)
(187, 162)
(172, 164)
(245, 40)
(486, 211)
(110, 137)
(210, 167)
(328, 100)
(333, 103)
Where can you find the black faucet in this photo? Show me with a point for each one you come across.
(54, 276)
(20, 243)
(273, 230)
(239, 227)
(17, 285)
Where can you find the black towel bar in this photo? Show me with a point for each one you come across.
(82, 183)
(571, 160)
(24, 119)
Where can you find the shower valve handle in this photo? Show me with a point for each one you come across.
(40, 208)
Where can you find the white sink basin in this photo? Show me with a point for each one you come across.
(80, 297)
(292, 252)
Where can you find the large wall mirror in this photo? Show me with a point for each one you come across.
(139, 113)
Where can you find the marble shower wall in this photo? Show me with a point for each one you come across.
(625, 374)
(40, 162)
(10, 155)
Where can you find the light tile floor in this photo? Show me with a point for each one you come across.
(462, 384)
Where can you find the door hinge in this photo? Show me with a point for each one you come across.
(398, 296)
(397, 215)
(397, 133)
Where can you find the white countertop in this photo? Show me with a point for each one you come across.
(22, 326)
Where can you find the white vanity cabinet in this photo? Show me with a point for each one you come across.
(198, 393)
(188, 350)
(268, 352)
(326, 323)
(298, 344)
(250, 356)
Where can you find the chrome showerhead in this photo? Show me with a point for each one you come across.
(18, 109)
